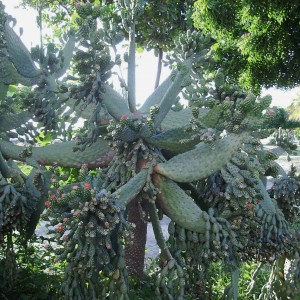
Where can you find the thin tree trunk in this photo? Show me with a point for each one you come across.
(135, 249)
(159, 66)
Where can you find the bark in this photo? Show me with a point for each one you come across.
(135, 248)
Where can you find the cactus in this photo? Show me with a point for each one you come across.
(203, 165)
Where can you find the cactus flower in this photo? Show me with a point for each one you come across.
(52, 196)
(86, 186)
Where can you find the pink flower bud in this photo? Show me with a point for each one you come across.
(53, 197)
(86, 186)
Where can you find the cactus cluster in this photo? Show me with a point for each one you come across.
(286, 192)
(202, 165)
(90, 229)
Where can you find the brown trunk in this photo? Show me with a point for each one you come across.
(135, 250)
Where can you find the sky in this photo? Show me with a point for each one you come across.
(146, 69)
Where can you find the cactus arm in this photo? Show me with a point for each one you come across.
(67, 54)
(131, 189)
(19, 54)
(176, 119)
(267, 203)
(202, 161)
(9, 74)
(12, 121)
(3, 90)
(97, 154)
(159, 236)
(232, 290)
(4, 169)
(171, 140)
(157, 95)
(212, 117)
(180, 207)
(131, 69)
(114, 103)
(170, 96)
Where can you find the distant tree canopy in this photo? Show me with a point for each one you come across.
(157, 26)
(257, 41)
(294, 108)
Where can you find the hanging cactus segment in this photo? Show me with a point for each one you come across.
(16, 206)
(90, 225)
(176, 203)
(286, 192)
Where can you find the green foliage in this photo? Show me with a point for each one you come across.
(256, 41)
(37, 276)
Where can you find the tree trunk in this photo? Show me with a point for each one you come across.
(135, 248)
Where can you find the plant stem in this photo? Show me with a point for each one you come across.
(131, 69)
(41, 32)
(159, 66)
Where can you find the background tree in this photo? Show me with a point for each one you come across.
(203, 165)
(157, 27)
(257, 42)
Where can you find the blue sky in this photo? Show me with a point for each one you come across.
(146, 70)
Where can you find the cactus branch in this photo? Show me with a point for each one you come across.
(114, 103)
(97, 155)
(202, 161)
(67, 54)
(157, 95)
(131, 69)
(180, 207)
(172, 140)
(159, 236)
(3, 90)
(13, 121)
(19, 54)
(131, 189)
(171, 95)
